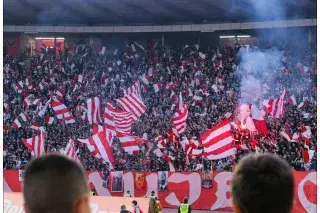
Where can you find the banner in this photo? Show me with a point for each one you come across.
(13, 202)
(189, 184)
(140, 181)
(162, 181)
(117, 181)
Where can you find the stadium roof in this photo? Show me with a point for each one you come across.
(151, 12)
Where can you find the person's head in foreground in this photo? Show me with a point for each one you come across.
(185, 200)
(262, 183)
(55, 184)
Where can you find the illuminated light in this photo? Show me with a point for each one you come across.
(48, 38)
(232, 36)
(243, 36)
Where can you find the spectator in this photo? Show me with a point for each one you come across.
(262, 183)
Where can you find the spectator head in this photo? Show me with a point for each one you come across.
(152, 193)
(128, 192)
(54, 183)
(262, 183)
(185, 200)
(134, 203)
(123, 207)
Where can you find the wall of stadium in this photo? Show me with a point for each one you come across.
(186, 184)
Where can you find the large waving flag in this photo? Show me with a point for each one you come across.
(135, 88)
(128, 143)
(99, 147)
(70, 151)
(218, 141)
(94, 110)
(35, 145)
(62, 112)
(117, 119)
(132, 103)
(180, 116)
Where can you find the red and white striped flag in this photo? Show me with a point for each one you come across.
(157, 87)
(35, 145)
(195, 153)
(60, 92)
(180, 116)
(16, 124)
(161, 142)
(197, 100)
(62, 112)
(258, 120)
(49, 120)
(169, 160)
(26, 102)
(19, 87)
(23, 116)
(118, 119)
(292, 100)
(135, 88)
(218, 141)
(145, 79)
(132, 103)
(99, 147)
(94, 112)
(128, 143)
(277, 106)
(70, 151)
(287, 135)
(306, 134)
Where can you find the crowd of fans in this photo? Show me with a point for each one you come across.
(108, 73)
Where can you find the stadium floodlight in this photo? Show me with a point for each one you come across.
(227, 36)
(243, 36)
(48, 38)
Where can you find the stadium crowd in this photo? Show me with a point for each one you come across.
(210, 73)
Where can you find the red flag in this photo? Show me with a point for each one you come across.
(140, 181)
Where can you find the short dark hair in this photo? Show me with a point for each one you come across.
(53, 183)
(135, 202)
(185, 200)
(152, 192)
(263, 183)
(123, 207)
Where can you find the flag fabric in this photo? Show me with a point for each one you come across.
(23, 116)
(97, 128)
(218, 141)
(306, 134)
(70, 151)
(49, 120)
(140, 181)
(118, 119)
(16, 124)
(19, 87)
(180, 116)
(60, 92)
(99, 147)
(277, 106)
(157, 87)
(35, 145)
(145, 79)
(161, 142)
(94, 110)
(258, 120)
(286, 134)
(132, 103)
(128, 143)
(292, 100)
(195, 153)
(36, 102)
(172, 96)
(135, 88)
(169, 160)
(26, 102)
(62, 112)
